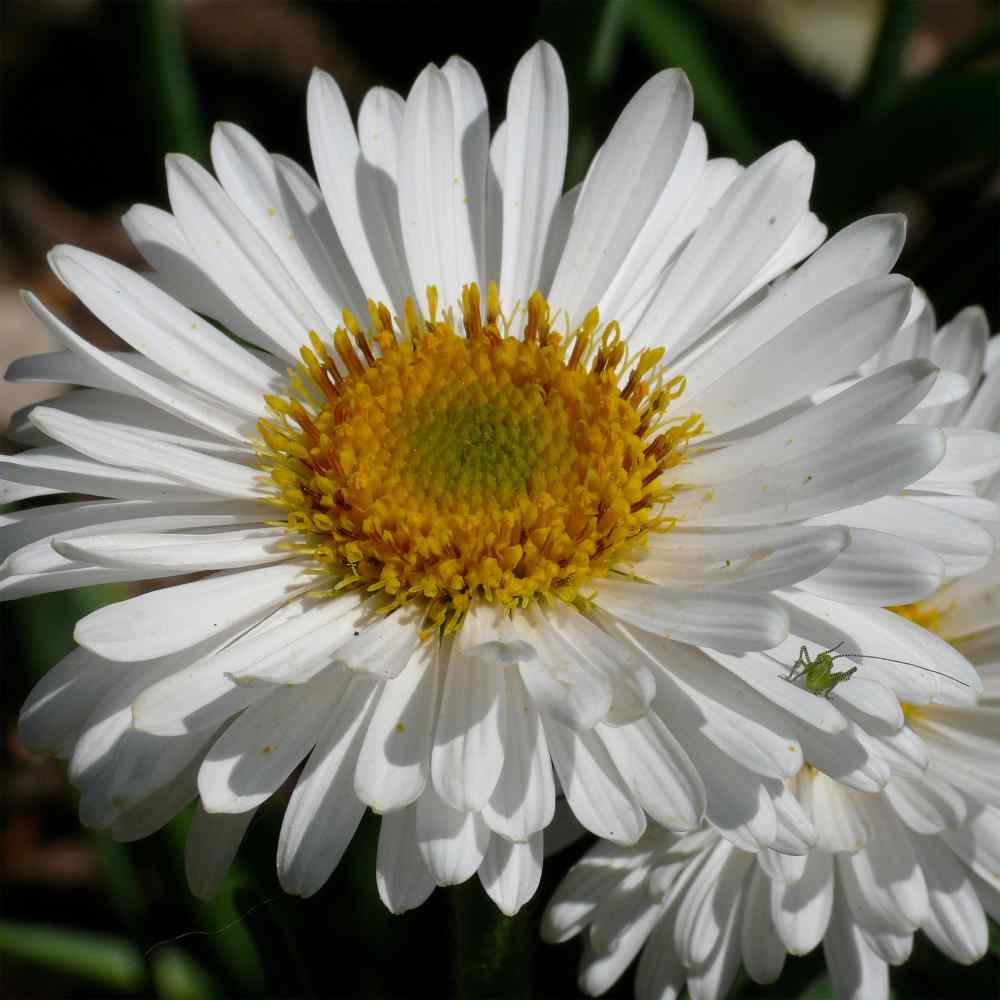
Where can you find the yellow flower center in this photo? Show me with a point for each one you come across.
(438, 465)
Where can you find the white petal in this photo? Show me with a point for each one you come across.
(380, 124)
(876, 633)
(870, 704)
(471, 161)
(561, 682)
(212, 842)
(146, 763)
(468, 750)
(871, 464)
(303, 199)
(299, 651)
(258, 751)
(884, 398)
(126, 413)
(175, 552)
(125, 372)
(64, 470)
(738, 803)
(795, 832)
(728, 710)
(202, 694)
(65, 576)
(658, 771)
(238, 259)
(253, 180)
(763, 950)
(827, 342)
(928, 804)
(970, 455)
(104, 442)
(885, 877)
(494, 208)
(846, 758)
(622, 190)
(840, 824)
(161, 241)
(11, 492)
(510, 872)
(177, 339)
(61, 702)
(861, 252)
(879, 568)
(984, 409)
(728, 621)
(801, 911)
(363, 217)
(653, 247)
(753, 560)
(535, 143)
(597, 793)
(555, 244)
(960, 346)
(768, 672)
(747, 226)
(384, 644)
(452, 843)
(856, 971)
(585, 886)
(963, 545)
(392, 767)
(956, 922)
(156, 810)
(400, 873)
(523, 801)
(165, 621)
(323, 812)
(661, 973)
(434, 221)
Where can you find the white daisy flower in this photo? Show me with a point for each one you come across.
(505, 478)
(925, 853)
(694, 906)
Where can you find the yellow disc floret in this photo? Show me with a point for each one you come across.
(437, 465)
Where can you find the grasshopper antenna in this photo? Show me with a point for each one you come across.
(904, 663)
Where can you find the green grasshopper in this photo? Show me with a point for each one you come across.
(820, 677)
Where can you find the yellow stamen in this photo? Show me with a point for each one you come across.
(438, 465)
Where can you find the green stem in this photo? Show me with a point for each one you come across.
(885, 71)
(182, 128)
(494, 954)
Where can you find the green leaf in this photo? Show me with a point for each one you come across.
(672, 34)
(819, 989)
(111, 962)
(181, 124)
(178, 976)
(493, 954)
(608, 41)
(886, 67)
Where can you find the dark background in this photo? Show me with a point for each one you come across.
(899, 102)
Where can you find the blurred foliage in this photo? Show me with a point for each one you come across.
(91, 104)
